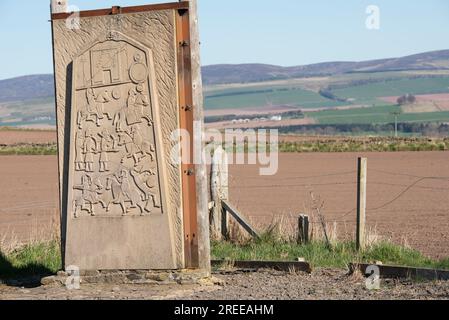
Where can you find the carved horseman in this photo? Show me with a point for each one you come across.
(95, 105)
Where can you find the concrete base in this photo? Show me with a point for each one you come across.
(137, 277)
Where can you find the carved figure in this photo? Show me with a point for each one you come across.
(88, 197)
(95, 105)
(105, 195)
(79, 147)
(123, 191)
(107, 144)
(147, 183)
(90, 147)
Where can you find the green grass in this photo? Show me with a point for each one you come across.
(263, 96)
(377, 114)
(36, 259)
(26, 150)
(319, 256)
(45, 258)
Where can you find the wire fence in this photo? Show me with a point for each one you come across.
(396, 200)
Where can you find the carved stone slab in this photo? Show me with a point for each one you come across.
(116, 89)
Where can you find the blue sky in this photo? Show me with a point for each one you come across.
(282, 32)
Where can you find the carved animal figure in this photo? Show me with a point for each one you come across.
(147, 184)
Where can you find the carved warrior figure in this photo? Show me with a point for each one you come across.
(79, 147)
(107, 144)
(88, 197)
(105, 195)
(90, 147)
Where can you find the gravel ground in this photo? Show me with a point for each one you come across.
(239, 285)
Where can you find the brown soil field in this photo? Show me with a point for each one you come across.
(28, 198)
(11, 137)
(407, 195)
(434, 102)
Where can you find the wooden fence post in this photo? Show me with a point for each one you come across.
(219, 190)
(203, 235)
(58, 6)
(361, 202)
(303, 229)
(224, 223)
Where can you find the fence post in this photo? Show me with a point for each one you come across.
(361, 202)
(219, 191)
(224, 223)
(58, 6)
(303, 229)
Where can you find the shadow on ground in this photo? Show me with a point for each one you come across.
(27, 276)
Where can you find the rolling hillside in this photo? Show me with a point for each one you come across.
(41, 86)
(326, 93)
(221, 74)
(27, 88)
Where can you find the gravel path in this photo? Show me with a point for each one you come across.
(272, 285)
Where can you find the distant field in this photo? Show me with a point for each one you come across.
(39, 112)
(263, 96)
(370, 93)
(380, 114)
(371, 98)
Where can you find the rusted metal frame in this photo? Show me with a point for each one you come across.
(186, 123)
(400, 272)
(121, 10)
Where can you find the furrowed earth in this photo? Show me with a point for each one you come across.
(407, 195)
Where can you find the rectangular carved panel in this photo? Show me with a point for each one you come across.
(116, 167)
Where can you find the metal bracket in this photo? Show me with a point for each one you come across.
(187, 108)
(182, 11)
(116, 10)
(184, 43)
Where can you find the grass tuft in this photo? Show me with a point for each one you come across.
(33, 259)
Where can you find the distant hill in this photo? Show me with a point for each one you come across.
(243, 73)
(27, 88)
(41, 86)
